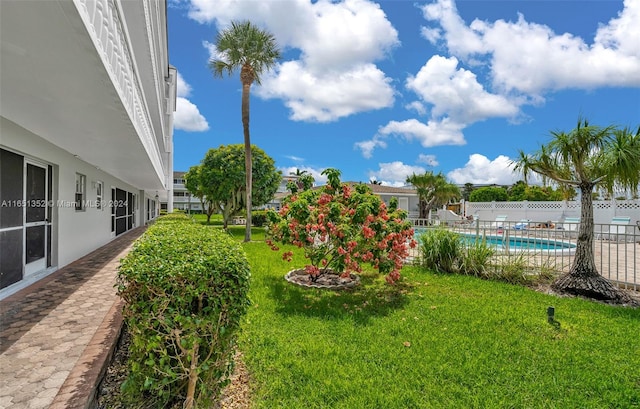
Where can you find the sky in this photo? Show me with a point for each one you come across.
(384, 89)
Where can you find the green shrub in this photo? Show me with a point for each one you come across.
(440, 250)
(513, 269)
(185, 288)
(259, 218)
(476, 257)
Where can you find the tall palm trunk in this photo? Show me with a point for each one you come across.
(247, 79)
(583, 277)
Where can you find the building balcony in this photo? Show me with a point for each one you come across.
(76, 81)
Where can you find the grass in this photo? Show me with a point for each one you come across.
(432, 341)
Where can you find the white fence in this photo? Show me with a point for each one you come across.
(603, 210)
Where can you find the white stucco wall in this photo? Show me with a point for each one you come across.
(75, 233)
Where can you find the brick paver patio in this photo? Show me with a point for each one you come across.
(56, 335)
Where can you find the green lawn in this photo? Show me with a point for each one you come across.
(432, 341)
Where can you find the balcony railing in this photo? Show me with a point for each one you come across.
(104, 24)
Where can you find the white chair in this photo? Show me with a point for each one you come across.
(571, 223)
(499, 222)
(617, 228)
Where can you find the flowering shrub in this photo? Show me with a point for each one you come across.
(340, 227)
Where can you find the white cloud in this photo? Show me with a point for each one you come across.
(416, 106)
(459, 38)
(429, 160)
(188, 118)
(367, 147)
(183, 89)
(344, 34)
(433, 133)
(338, 41)
(395, 173)
(456, 93)
(324, 98)
(295, 158)
(480, 170)
(457, 99)
(536, 59)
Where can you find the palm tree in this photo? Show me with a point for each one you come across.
(433, 190)
(586, 157)
(304, 181)
(252, 51)
(466, 193)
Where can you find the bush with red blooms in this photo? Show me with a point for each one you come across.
(339, 227)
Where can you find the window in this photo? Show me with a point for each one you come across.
(99, 190)
(81, 188)
(179, 194)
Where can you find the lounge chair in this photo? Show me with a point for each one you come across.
(523, 224)
(571, 223)
(617, 228)
(499, 222)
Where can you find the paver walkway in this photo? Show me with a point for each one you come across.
(57, 334)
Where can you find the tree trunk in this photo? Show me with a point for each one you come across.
(193, 379)
(246, 89)
(583, 279)
(422, 209)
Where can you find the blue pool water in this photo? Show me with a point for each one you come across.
(524, 243)
(516, 243)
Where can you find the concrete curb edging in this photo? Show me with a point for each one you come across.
(79, 390)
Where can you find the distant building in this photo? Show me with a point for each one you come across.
(182, 198)
(407, 196)
(86, 128)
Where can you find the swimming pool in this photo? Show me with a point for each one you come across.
(515, 244)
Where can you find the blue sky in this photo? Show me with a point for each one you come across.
(381, 90)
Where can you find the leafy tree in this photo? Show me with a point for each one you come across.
(586, 157)
(489, 194)
(433, 190)
(517, 191)
(339, 227)
(567, 192)
(193, 183)
(246, 48)
(542, 194)
(521, 191)
(375, 182)
(222, 175)
(304, 181)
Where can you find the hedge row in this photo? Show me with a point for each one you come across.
(185, 288)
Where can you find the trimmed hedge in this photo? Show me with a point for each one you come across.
(185, 288)
(259, 218)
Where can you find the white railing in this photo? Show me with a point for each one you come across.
(106, 28)
(616, 247)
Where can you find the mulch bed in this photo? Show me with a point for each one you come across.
(235, 396)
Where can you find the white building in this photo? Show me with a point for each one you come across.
(86, 108)
(182, 198)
